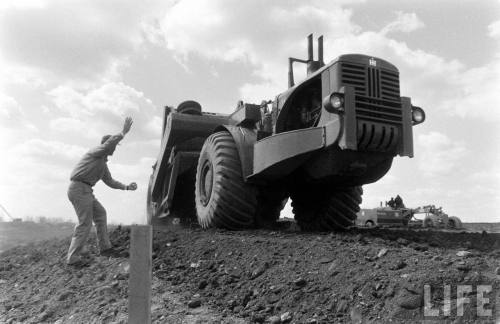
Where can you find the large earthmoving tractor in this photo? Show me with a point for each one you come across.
(317, 143)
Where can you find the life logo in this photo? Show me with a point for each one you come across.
(372, 62)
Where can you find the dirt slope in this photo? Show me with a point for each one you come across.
(257, 276)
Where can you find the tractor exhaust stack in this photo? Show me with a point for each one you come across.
(312, 65)
(310, 50)
(320, 51)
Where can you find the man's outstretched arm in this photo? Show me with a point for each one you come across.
(110, 182)
(109, 146)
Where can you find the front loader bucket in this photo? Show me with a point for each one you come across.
(178, 202)
(183, 133)
(172, 183)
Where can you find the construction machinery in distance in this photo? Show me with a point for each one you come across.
(317, 143)
(428, 216)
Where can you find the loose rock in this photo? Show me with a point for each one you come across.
(408, 300)
(399, 265)
(402, 241)
(381, 253)
(300, 282)
(259, 271)
(463, 253)
(194, 303)
(286, 317)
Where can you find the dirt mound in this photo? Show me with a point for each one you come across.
(319, 277)
(481, 241)
(258, 276)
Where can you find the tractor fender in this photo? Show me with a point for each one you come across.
(245, 139)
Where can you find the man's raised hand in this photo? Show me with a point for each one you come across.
(127, 124)
(132, 186)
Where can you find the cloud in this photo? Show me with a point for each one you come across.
(229, 31)
(13, 74)
(103, 108)
(52, 152)
(9, 108)
(433, 81)
(12, 115)
(73, 125)
(405, 22)
(74, 39)
(444, 84)
(22, 4)
(34, 167)
(439, 155)
(494, 29)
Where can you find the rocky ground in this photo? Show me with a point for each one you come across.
(263, 276)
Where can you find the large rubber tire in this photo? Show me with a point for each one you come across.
(428, 222)
(320, 208)
(223, 199)
(369, 223)
(189, 107)
(454, 222)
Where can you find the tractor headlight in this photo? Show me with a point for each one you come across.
(417, 115)
(334, 103)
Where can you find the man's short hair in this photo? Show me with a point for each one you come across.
(105, 138)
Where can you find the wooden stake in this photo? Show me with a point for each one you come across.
(139, 298)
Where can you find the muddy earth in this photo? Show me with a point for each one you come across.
(265, 276)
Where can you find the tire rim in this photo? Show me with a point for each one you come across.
(206, 179)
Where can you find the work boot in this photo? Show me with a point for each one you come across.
(80, 263)
(85, 252)
(111, 252)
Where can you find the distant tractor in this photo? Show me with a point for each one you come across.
(389, 216)
(317, 143)
(435, 217)
(384, 216)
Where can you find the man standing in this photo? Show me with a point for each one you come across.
(398, 201)
(90, 169)
(391, 203)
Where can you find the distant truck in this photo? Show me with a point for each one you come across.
(389, 216)
(384, 216)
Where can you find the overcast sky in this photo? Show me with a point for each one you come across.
(72, 70)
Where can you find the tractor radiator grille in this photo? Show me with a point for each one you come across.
(389, 84)
(377, 92)
(354, 75)
(378, 110)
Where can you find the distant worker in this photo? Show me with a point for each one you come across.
(92, 168)
(392, 203)
(398, 201)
